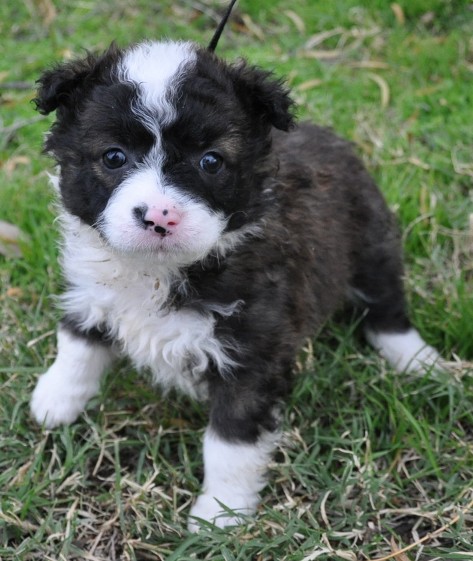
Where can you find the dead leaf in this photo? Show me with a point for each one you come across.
(368, 64)
(322, 36)
(179, 423)
(415, 161)
(398, 13)
(10, 238)
(427, 18)
(309, 84)
(323, 54)
(46, 10)
(398, 556)
(253, 28)
(427, 90)
(296, 20)
(14, 292)
(383, 86)
(12, 163)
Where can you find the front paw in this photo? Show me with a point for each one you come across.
(53, 403)
(208, 508)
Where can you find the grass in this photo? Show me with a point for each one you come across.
(370, 461)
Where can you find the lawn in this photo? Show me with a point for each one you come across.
(371, 462)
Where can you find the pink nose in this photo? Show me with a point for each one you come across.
(162, 220)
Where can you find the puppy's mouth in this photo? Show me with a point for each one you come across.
(153, 238)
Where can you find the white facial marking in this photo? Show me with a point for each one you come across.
(235, 473)
(155, 67)
(406, 352)
(62, 392)
(198, 232)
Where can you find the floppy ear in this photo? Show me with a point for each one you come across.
(64, 86)
(264, 94)
(61, 85)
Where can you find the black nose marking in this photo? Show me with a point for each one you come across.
(139, 214)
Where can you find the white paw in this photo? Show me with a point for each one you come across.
(62, 393)
(426, 359)
(55, 403)
(208, 508)
(406, 352)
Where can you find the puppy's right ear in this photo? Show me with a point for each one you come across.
(60, 86)
(64, 86)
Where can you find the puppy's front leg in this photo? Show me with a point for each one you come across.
(238, 444)
(62, 393)
(235, 473)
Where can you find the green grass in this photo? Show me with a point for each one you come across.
(369, 461)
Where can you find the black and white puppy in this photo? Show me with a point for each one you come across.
(205, 236)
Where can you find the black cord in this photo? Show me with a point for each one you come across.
(213, 43)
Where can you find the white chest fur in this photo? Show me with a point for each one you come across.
(128, 295)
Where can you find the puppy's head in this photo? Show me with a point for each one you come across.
(162, 147)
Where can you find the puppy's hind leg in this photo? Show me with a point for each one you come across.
(62, 393)
(406, 351)
(378, 287)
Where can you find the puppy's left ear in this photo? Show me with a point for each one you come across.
(264, 95)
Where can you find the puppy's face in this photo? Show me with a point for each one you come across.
(162, 147)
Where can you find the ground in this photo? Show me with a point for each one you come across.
(370, 461)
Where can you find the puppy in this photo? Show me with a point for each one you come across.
(205, 237)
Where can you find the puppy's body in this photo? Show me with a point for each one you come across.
(206, 242)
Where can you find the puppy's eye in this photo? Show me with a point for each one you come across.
(114, 158)
(211, 162)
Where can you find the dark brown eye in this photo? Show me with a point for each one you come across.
(114, 158)
(211, 162)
